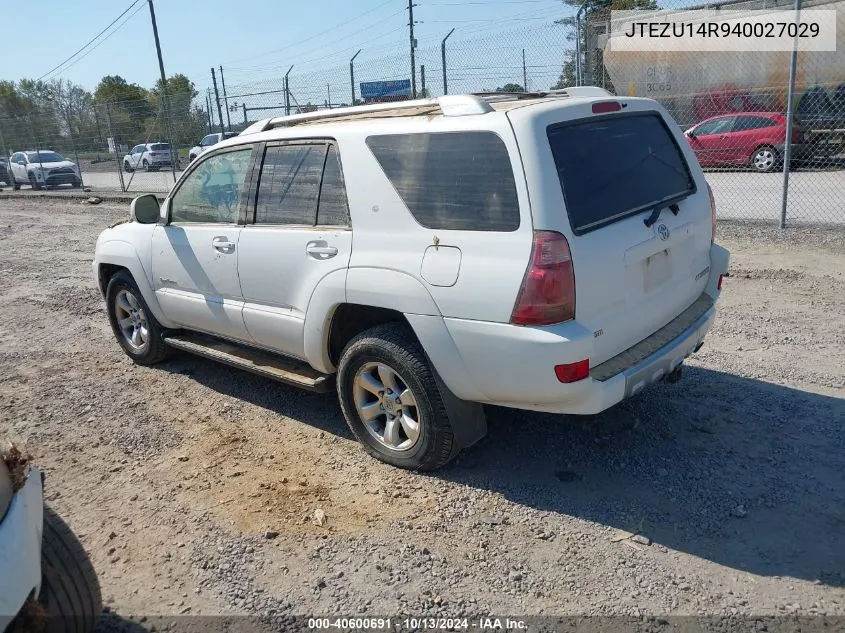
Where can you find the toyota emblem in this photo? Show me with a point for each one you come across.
(663, 232)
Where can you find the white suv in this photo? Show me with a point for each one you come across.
(550, 251)
(208, 141)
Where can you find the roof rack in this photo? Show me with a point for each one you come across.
(447, 105)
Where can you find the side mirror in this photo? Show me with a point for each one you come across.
(145, 209)
(691, 134)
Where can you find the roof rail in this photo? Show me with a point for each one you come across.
(449, 105)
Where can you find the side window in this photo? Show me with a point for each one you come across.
(289, 184)
(208, 140)
(745, 123)
(716, 126)
(451, 180)
(212, 192)
(333, 209)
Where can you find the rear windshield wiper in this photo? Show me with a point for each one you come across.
(655, 212)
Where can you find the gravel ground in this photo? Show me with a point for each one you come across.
(195, 487)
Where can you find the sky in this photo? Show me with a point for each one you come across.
(257, 40)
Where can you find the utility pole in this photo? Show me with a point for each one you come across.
(411, 6)
(329, 91)
(8, 164)
(352, 75)
(443, 55)
(226, 99)
(422, 81)
(217, 98)
(208, 111)
(173, 148)
(524, 73)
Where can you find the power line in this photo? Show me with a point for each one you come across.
(308, 39)
(89, 42)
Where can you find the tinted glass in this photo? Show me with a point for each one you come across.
(613, 167)
(212, 192)
(289, 184)
(333, 209)
(451, 180)
(211, 139)
(44, 157)
(160, 147)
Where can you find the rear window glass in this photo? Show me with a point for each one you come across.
(613, 167)
(159, 147)
(451, 180)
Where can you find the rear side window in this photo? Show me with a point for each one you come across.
(613, 167)
(451, 180)
(301, 184)
(745, 123)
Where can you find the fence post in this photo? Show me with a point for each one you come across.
(423, 93)
(790, 95)
(524, 73)
(443, 57)
(244, 105)
(352, 76)
(116, 150)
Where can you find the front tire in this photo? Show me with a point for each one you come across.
(127, 167)
(391, 402)
(76, 184)
(70, 592)
(34, 183)
(765, 159)
(133, 324)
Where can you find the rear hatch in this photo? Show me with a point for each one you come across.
(161, 150)
(596, 176)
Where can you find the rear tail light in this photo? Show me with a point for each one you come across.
(719, 285)
(153, 153)
(547, 294)
(606, 106)
(573, 372)
(712, 212)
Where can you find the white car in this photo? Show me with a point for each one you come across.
(148, 156)
(207, 141)
(549, 252)
(43, 568)
(43, 168)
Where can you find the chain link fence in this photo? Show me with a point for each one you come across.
(735, 104)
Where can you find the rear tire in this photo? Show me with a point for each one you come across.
(146, 165)
(147, 347)
(390, 354)
(70, 592)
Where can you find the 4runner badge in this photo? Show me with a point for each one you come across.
(663, 232)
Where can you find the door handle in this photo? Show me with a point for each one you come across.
(223, 244)
(320, 250)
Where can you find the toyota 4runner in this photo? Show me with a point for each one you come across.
(547, 251)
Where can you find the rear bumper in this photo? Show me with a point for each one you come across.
(20, 549)
(514, 366)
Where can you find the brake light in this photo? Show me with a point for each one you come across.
(153, 153)
(547, 294)
(606, 106)
(719, 285)
(573, 372)
(712, 212)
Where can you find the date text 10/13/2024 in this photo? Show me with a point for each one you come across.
(418, 624)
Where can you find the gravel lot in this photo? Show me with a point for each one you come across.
(194, 486)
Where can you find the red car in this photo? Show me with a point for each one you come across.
(754, 139)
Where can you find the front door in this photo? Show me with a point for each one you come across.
(17, 163)
(712, 141)
(195, 255)
(297, 237)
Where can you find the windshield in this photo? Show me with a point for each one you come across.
(613, 167)
(44, 157)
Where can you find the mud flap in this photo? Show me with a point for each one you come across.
(469, 424)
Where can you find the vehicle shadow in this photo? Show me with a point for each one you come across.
(741, 472)
(744, 473)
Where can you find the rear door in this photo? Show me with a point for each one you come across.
(297, 234)
(748, 133)
(596, 179)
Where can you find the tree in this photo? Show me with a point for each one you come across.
(187, 123)
(594, 11)
(511, 88)
(129, 107)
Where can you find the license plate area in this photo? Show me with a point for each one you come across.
(657, 270)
